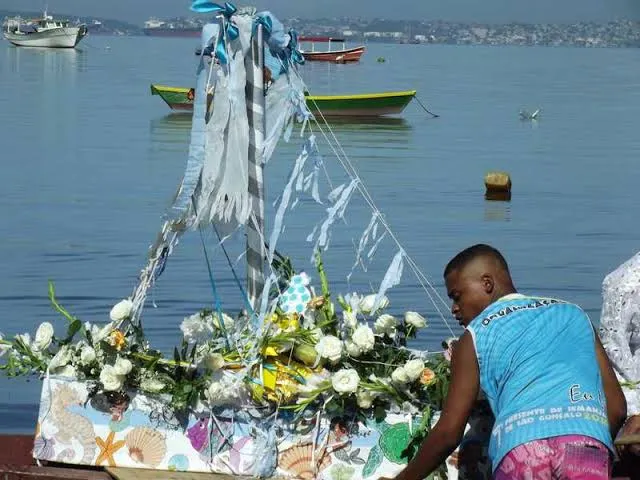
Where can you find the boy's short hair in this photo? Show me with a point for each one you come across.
(473, 252)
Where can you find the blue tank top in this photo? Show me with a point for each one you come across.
(539, 370)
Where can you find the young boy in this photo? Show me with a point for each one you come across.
(548, 380)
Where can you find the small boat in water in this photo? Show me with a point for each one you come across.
(359, 105)
(44, 32)
(343, 55)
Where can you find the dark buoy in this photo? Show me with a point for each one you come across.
(498, 186)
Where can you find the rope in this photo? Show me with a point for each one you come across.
(218, 305)
(425, 108)
(245, 297)
(353, 174)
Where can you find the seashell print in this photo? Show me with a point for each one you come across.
(297, 461)
(65, 456)
(43, 448)
(146, 446)
(178, 463)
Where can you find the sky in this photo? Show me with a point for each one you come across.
(482, 11)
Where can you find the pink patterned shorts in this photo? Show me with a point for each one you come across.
(569, 457)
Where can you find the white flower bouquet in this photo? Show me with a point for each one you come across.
(309, 354)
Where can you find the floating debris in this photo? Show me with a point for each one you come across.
(525, 115)
(498, 186)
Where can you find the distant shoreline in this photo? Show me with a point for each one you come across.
(621, 33)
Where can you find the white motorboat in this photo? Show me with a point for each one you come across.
(44, 32)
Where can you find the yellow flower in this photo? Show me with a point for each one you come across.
(117, 340)
(428, 377)
(282, 379)
(269, 351)
(287, 323)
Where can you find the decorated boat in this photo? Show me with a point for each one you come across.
(44, 32)
(340, 55)
(302, 382)
(358, 105)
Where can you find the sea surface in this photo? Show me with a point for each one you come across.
(90, 162)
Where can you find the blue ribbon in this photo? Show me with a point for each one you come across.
(230, 30)
(265, 21)
(296, 55)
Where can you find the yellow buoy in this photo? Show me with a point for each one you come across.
(498, 186)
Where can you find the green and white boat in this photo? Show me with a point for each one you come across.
(359, 105)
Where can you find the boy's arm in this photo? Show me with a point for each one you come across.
(446, 435)
(616, 403)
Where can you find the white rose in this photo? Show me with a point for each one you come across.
(215, 393)
(151, 385)
(60, 359)
(366, 304)
(314, 382)
(99, 334)
(330, 347)
(24, 338)
(363, 338)
(413, 369)
(121, 310)
(365, 398)
(345, 381)
(214, 361)
(399, 376)
(227, 321)
(226, 388)
(353, 350)
(350, 319)
(110, 379)
(385, 325)
(415, 320)
(43, 338)
(87, 355)
(3, 347)
(196, 329)
(122, 366)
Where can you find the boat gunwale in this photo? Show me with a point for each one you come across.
(363, 96)
(156, 89)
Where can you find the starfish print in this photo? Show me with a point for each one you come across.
(107, 449)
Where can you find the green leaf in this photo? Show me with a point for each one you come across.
(176, 355)
(324, 283)
(56, 305)
(73, 328)
(343, 303)
(373, 462)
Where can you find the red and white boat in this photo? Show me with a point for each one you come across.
(343, 55)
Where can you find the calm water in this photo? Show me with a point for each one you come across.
(91, 161)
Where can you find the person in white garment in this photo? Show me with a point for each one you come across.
(620, 335)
